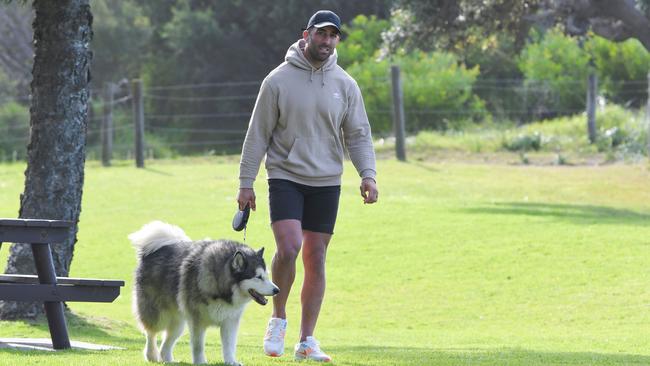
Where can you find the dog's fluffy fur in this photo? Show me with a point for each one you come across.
(200, 283)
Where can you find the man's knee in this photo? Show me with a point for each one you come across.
(314, 265)
(287, 253)
(288, 239)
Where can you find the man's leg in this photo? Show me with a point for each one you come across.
(288, 239)
(313, 288)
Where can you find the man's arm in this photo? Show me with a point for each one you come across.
(261, 125)
(358, 141)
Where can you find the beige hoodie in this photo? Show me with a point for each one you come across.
(301, 120)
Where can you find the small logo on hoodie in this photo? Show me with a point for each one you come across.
(337, 95)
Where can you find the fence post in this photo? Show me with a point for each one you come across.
(524, 111)
(138, 119)
(107, 124)
(647, 113)
(592, 88)
(398, 113)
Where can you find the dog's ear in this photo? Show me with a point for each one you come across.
(260, 253)
(238, 262)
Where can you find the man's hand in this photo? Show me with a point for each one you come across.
(246, 196)
(369, 190)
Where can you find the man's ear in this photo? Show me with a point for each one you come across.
(238, 262)
(305, 34)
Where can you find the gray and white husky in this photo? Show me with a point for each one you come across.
(201, 283)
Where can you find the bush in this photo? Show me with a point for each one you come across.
(500, 81)
(362, 40)
(437, 91)
(524, 142)
(620, 132)
(622, 135)
(616, 136)
(556, 70)
(622, 69)
(123, 137)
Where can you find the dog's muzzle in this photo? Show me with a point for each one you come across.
(259, 298)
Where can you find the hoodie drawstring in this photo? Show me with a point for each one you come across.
(295, 56)
(322, 72)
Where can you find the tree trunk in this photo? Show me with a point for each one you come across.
(635, 23)
(58, 120)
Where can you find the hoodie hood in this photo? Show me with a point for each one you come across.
(296, 57)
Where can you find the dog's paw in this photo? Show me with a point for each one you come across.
(152, 357)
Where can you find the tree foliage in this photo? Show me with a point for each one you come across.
(171, 43)
(622, 68)
(122, 34)
(16, 51)
(448, 24)
(197, 42)
(199, 35)
(555, 68)
(362, 40)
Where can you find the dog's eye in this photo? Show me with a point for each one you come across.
(260, 277)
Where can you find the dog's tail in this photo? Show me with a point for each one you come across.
(156, 235)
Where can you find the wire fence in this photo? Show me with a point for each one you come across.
(211, 118)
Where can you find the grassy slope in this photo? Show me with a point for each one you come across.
(457, 264)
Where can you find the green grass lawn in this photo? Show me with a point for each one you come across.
(458, 264)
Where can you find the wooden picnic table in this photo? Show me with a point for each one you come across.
(46, 286)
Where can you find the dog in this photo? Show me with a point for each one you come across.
(201, 283)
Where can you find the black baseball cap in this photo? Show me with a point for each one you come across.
(323, 18)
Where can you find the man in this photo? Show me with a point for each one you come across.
(307, 110)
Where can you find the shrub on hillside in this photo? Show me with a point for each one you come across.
(620, 131)
(556, 70)
(437, 91)
(556, 67)
(524, 142)
(622, 68)
(362, 40)
(622, 135)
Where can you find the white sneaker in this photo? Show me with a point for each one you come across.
(310, 350)
(274, 338)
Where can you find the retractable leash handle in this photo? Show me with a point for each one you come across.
(240, 219)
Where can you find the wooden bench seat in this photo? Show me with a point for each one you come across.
(28, 288)
(46, 287)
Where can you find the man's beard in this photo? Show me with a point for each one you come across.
(314, 51)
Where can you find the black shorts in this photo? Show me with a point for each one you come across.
(315, 207)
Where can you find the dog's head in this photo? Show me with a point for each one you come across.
(251, 275)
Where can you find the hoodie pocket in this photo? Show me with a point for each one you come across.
(315, 157)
